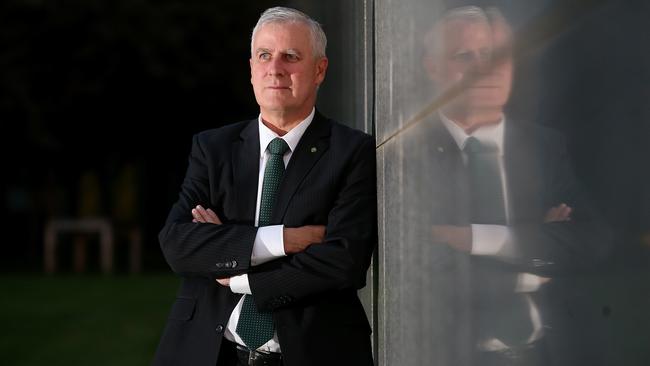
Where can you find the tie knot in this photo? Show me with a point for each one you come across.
(278, 146)
(475, 146)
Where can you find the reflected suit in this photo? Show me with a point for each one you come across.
(538, 176)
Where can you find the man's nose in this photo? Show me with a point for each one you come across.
(483, 64)
(480, 66)
(276, 67)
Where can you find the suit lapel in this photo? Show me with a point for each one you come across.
(521, 169)
(311, 147)
(245, 169)
(453, 182)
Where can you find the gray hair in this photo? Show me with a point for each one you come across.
(495, 17)
(471, 13)
(281, 14)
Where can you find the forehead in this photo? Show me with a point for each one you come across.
(463, 33)
(284, 35)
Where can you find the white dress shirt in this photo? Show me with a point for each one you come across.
(269, 242)
(495, 240)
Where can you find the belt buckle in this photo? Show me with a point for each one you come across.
(256, 358)
(252, 356)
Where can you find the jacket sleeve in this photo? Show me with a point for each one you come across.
(558, 248)
(203, 250)
(341, 261)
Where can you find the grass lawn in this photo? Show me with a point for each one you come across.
(83, 320)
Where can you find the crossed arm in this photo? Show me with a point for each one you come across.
(295, 240)
(222, 251)
(558, 244)
(461, 238)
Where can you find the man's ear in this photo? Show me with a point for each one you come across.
(321, 69)
(250, 65)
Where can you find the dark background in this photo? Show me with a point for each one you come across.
(89, 88)
(99, 101)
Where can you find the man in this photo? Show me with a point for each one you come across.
(503, 191)
(276, 222)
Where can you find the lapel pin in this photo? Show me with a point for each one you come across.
(313, 149)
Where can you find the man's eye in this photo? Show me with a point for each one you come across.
(486, 55)
(463, 57)
(264, 56)
(291, 57)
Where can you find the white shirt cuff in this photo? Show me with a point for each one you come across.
(489, 239)
(527, 282)
(268, 245)
(239, 285)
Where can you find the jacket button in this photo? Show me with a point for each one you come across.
(234, 264)
(219, 328)
(219, 265)
(227, 264)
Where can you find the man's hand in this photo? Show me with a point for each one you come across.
(562, 212)
(203, 216)
(224, 281)
(457, 237)
(297, 239)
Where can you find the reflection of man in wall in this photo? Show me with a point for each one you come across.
(504, 191)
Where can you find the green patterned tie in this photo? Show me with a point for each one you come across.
(488, 206)
(254, 327)
(510, 320)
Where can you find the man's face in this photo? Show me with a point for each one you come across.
(284, 72)
(467, 53)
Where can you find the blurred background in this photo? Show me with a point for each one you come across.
(99, 101)
(98, 104)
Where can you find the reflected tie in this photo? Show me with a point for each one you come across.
(254, 327)
(506, 317)
(487, 198)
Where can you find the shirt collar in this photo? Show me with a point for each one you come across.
(291, 138)
(491, 133)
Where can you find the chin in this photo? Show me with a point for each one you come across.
(486, 100)
(276, 104)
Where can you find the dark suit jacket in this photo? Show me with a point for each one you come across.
(330, 180)
(538, 176)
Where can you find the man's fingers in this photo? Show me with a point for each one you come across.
(202, 215)
(213, 217)
(562, 212)
(198, 216)
(224, 281)
(566, 212)
(551, 215)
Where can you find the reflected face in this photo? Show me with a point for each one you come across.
(284, 72)
(467, 54)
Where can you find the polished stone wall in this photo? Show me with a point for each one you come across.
(580, 70)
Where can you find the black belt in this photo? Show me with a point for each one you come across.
(258, 358)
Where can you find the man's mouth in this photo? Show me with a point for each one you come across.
(484, 86)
